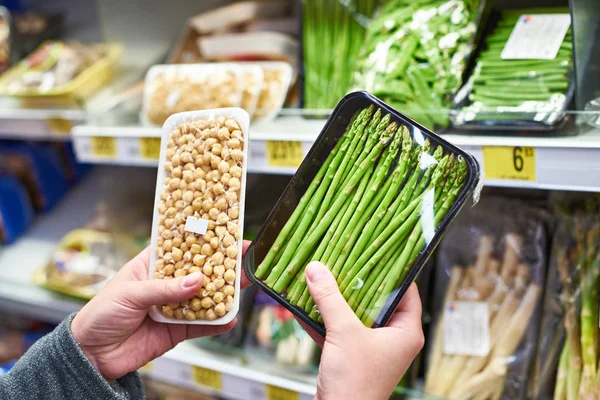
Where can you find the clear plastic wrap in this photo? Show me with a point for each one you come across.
(371, 201)
(170, 89)
(276, 83)
(199, 212)
(567, 362)
(510, 90)
(491, 267)
(415, 53)
(274, 330)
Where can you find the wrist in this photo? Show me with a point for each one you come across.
(76, 331)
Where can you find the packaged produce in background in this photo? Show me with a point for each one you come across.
(16, 210)
(61, 69)
(371, 201)
(199, 212)
(490, 272)
(39, 169)
(258, 87)
(274, 330)
(567, 362)
(332, 33)
(516, 86)
(415, 53)
(237, 335)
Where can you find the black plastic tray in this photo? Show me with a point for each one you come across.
(331, 133)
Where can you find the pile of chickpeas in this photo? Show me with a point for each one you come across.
(203, 173)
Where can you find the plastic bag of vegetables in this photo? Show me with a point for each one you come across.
(415, 53)
(489, 279)
(566, 367)
(510, 86)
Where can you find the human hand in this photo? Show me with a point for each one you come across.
(360, 362)
(114, 329)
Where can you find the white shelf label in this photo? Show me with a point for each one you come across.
(467, 328)
(536, 36)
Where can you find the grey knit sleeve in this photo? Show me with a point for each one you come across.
(56, 368)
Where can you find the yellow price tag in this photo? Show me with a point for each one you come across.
(150, 148)
(59, 125)
(104, 146)
(277, 393)
(284, 153)
(505, 162)
(207, 377)
(147, 368)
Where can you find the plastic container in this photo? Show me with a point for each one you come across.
(170, 89)
(252, 87)
(85, 83)
(339, 251)
(276, 83)
(186, 224)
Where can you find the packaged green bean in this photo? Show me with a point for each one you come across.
(415, 53)
(370, 201)
(522, 77)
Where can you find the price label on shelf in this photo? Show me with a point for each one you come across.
(277, 393)
(150, 148)
(59, 126)
(505, 162)
(284, 153)
(207, 377)
(104, 146)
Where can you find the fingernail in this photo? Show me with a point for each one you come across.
(316, 271)
(191, 280)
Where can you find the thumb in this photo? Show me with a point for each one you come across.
(152, 292)
(324, 290)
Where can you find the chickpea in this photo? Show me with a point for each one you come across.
(218, 297)
(233, 228)
(179, 205)
(159, 264)
(223, 133)
(229, 276)
(220, 310)
(201, 314)
(177, 241)
(207, 205)
(235, 171)
(195, 304)
(218, 258)
(233, 212)
(234, 143)
(167, 311)
(207, 269)
(207, 250)
(190, 315)
(237, 154)
(228, 290)
(197, 204)
(189, 167)
(186, 157)
(198, 260)
(180, 272)
(174, 183)
(232, 251)
(213, 213)
(222, 218)
(230, 263)
(214, 243)
(225, 178)
(207, 302)
(184, 247)
(219, 270)
(218, 189)
(231, 197)
(237, 134)
(219, 283)
(235, 184)
(209, 234)
(199, 174)
(210, 287)
(220, 231)
(217, 148)
(195, 248)
(223, 167)
(210, 315)
(228, 240)
(188, 197)
(179, 313)
(162, 208)
(169, 270)
(178, 265)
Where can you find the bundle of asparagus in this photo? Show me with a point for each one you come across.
(516, 86)
(368, 213)
(575, 278)
(506, 276)
(332, 31)
(415, 53)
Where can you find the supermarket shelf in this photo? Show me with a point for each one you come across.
(38, 119)
(564, 163)
(229, 375)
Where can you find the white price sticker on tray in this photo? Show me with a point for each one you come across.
(467, 328)
(536, 37)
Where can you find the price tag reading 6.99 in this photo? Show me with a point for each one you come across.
(505, 162)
